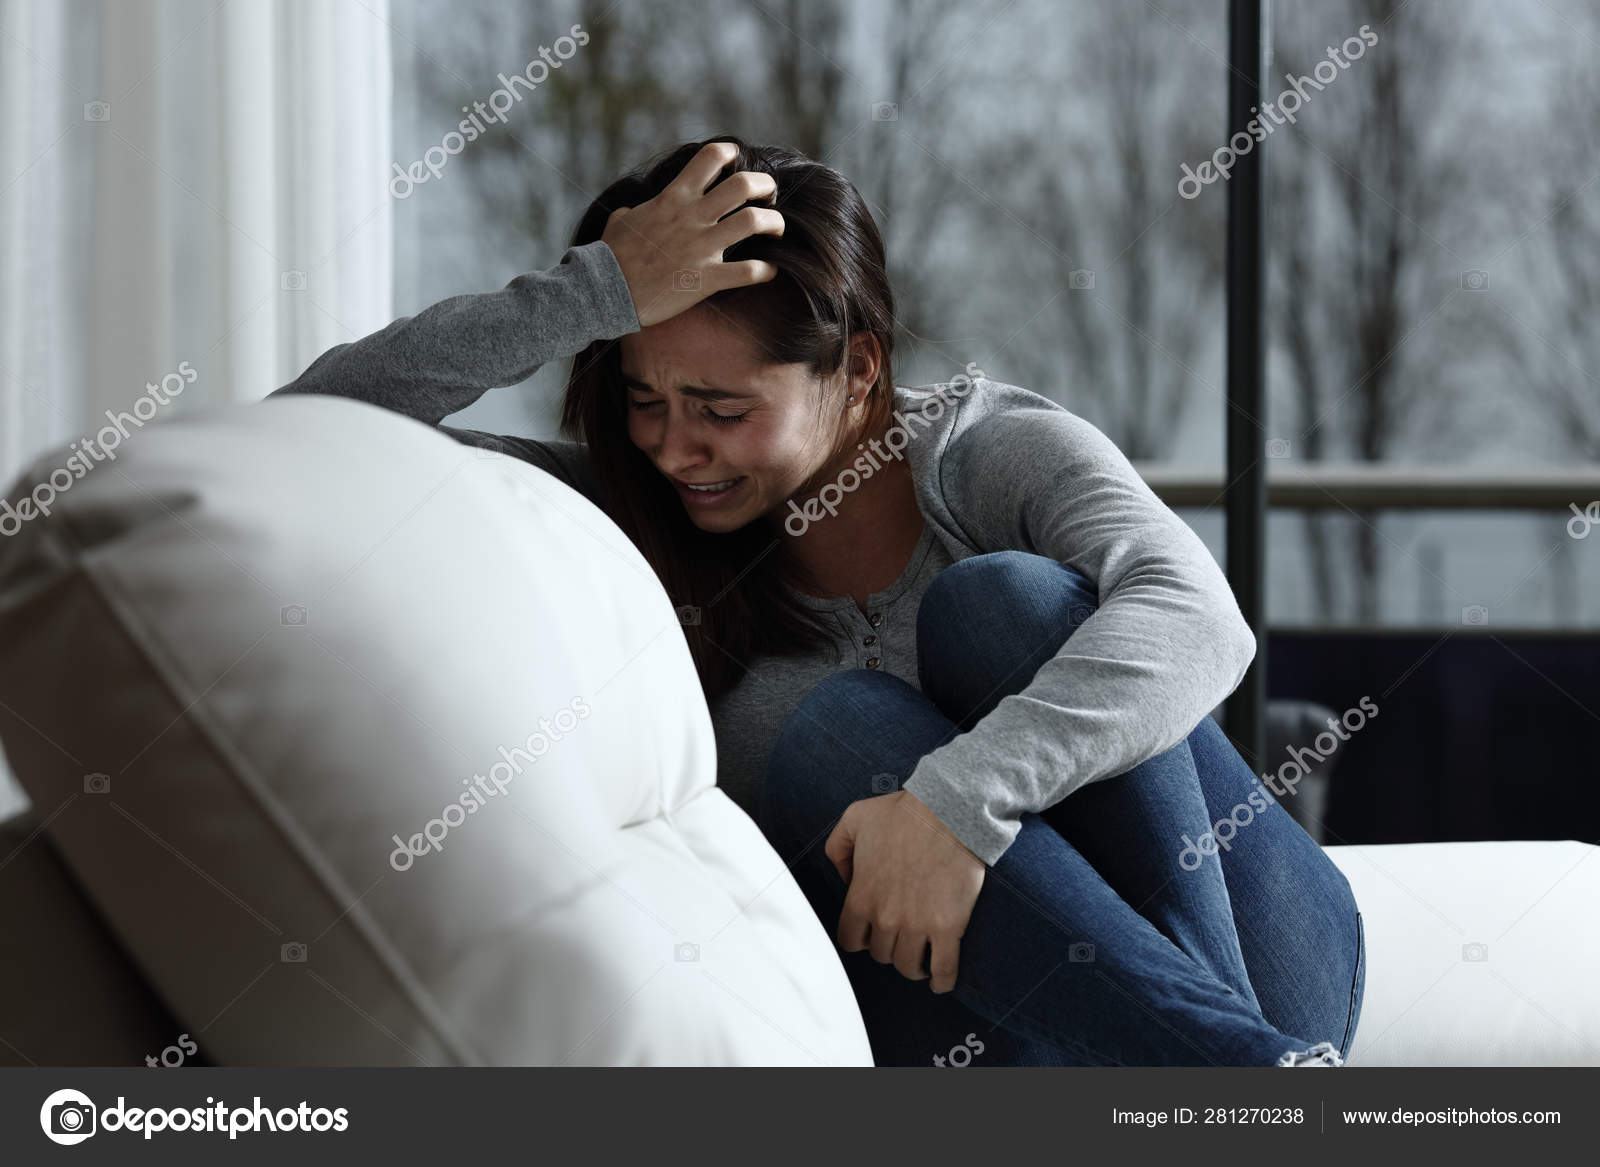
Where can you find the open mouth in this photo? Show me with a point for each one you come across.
(710, 493)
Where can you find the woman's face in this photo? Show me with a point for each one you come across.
(708, 411)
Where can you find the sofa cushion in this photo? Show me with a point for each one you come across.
(1478, 954)
(374, 749)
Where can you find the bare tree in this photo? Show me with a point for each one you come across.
(1123, 274)
(909, 151)
(1363, 189)
(584, 125)
(1556, 358)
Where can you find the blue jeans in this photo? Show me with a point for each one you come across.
(1098, 938)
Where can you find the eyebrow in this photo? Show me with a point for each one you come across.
(693, 391)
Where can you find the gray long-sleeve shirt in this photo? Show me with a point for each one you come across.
(995, 467)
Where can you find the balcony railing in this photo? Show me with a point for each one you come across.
(1359, 486)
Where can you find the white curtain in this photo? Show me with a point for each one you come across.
(183, 182)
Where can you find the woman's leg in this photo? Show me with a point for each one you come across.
(1051, 953)
(908, 1025)
(1299, 927)
(1267, 894)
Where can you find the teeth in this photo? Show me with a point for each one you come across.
(715, 486)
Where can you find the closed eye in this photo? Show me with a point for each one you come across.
(721, 418)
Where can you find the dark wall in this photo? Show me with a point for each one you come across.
(1477, 736)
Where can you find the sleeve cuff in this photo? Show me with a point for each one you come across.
(979, 830)
(615, 314)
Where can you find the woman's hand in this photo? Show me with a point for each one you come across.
(912, 884)
(670, 248)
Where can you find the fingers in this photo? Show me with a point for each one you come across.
(744, 223)
(853, 927)
(903, 917)
(699, 171)
(685, 229)
(736, 190)
(739, 274)
(881, 941)
(909, 949)
(841, 845)
(944, 962)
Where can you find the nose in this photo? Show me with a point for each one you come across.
(682, 446)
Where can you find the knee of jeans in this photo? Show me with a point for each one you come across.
(989, 583)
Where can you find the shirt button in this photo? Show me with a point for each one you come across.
(875, 619)
(872, 662)
(870, 641)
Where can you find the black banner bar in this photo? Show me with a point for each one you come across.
(412, 1115)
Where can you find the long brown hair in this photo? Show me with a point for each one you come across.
(832, 285)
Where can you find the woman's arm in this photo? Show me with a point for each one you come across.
(1166, 644)
(444, 358)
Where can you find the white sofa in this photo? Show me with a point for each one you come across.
(1478, 954)
(242, 661)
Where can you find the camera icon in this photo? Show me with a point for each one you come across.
(1475, 952)
(292, 616)
(1475, 614)
(685, 280)
(885, 783)
(1277, 447)
(1080, 280)
(293, 281)
(1078, 613)
(1081, 952)
(683, 953)
(688, 614)
(97, 111)
(293, 952)
(71, 1120)
(97, 783)
(1475, 281)
(885, 111)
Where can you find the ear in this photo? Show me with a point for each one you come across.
(862, 364)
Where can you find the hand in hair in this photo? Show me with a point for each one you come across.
(670, 248)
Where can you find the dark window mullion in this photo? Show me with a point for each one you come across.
(1246, 495)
